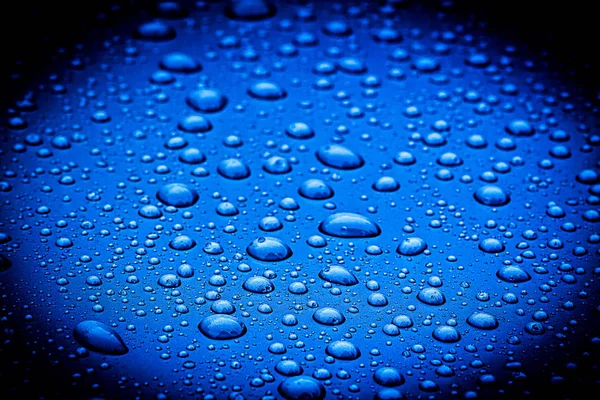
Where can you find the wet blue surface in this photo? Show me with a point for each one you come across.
(299, 202)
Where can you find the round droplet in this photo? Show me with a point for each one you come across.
(386, 184)
(207, 100)
(520, 127)
(405, 158)
(492, 196)
(483, 321)
(182, 242)
(299, 130)
(234, 169)
(388, 376)
(302, 388)
(446, 334)
(389, 394)
(513, 274)
(177, 195)
(491, 245)
(402, 321)
(329, 316)
(192, 156)
(195, 124)
(169, 281)
(412, 246)
(431, 296)
(222, 327)
(277, 165)
(342, 350)
(269, 249)
(289, 368)
(315, 189)
(259, 284)
(150, 212)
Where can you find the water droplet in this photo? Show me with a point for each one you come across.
(177, 195)
(222, 327)
(269, 249)
(98, 337)
(349, 225)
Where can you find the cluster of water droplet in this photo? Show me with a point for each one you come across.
(345, 199)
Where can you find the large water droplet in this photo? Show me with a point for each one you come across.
(258, 284)
(177, 195)
(249, 10)
(269, 249)
(412, 246)
(492, 196)
(302, 388)
(342, 350)
(339, 275)
(482, 320)
(99, 337)
(266, 91)
(207, 100)
(340, 157)
(222, 327)
(329, 316)
(349, 225)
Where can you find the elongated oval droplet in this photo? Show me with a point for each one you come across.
(222, 327)
(340, 157)
(99, 337)
(339, 275)
(266, 91)
(349, 225)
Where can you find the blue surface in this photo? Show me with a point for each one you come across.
(428, 194)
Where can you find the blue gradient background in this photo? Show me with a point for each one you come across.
(38, 316)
